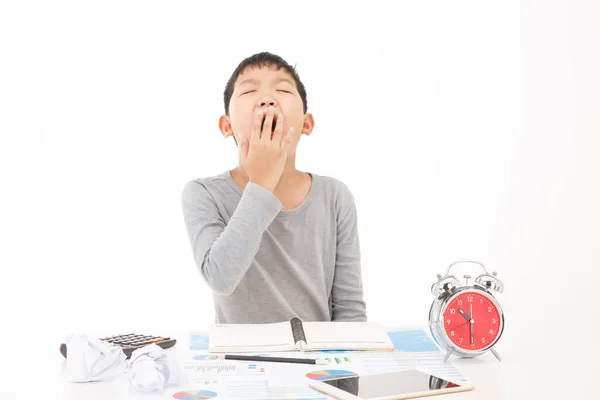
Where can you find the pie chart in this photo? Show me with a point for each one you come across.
(329, 374)
(195, 395)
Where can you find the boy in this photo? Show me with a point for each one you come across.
(273, 242)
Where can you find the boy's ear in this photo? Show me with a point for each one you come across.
(308, 124)
(225, 126)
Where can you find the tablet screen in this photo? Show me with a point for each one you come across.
(390, 384)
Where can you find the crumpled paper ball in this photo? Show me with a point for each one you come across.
(151, 368)
(93, 359)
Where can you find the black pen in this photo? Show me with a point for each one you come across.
(275, 359)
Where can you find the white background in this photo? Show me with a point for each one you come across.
(464, 130)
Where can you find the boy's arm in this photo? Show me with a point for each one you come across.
(347, 293)
(224, 252)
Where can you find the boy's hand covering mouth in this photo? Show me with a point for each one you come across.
(263, 154)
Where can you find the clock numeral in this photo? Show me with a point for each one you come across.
(483, 340)
(481, 301)
(489, 309)
(491, 331)
(470, 299)
(451, 333)
(494, 321)
(448, 321)
(460, 340)
(452, 311)
(460, 302)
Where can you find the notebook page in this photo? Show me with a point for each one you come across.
(251, 337)
(346, 336)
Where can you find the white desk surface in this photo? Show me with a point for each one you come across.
(33, 368)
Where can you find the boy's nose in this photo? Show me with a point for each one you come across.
(267, 103)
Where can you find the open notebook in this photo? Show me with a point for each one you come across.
(298, 335)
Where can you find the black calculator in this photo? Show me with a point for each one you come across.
(131, 341)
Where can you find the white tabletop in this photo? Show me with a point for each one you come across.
(32, 367)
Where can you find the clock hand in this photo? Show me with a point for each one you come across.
(461, 325)
(464, 314)
(472, 323)
(472, 327)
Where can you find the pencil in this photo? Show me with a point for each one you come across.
(274, 359)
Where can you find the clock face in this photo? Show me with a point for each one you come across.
(472, 321)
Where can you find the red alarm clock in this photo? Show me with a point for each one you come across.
(466, 319)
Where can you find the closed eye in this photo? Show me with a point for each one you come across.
(279, 90)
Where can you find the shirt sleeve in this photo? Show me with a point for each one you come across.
(347, 293)
(224, 252)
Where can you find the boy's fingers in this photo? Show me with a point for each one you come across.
(287, 140)
(278, 133)
(258, 116)
(266, 131)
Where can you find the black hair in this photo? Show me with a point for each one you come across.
(264, 59)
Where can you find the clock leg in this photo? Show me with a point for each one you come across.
(495, 353)
(447, 355)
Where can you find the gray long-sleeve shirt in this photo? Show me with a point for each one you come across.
(265, 264)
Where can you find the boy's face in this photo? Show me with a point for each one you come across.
(258, 88)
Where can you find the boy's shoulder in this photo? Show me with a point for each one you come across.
(334, 185)
(208, 180)
(208, 186)
(336, 193)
